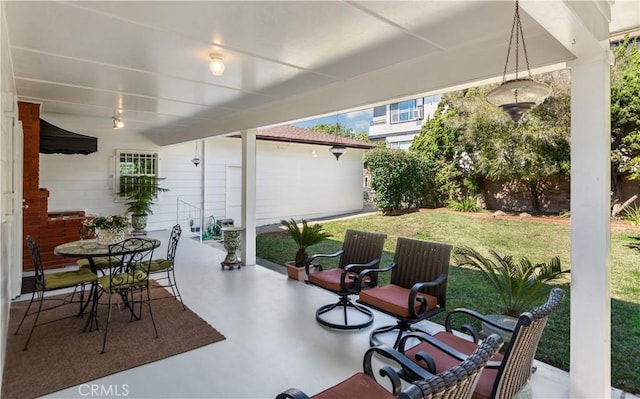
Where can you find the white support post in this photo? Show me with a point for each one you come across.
(590, 366)
(248, 211)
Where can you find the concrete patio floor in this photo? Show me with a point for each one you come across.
(273, 341)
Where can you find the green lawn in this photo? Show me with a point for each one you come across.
(467, 288)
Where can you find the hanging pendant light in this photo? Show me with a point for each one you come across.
(338, 149)
(196, 158)
(519, 95)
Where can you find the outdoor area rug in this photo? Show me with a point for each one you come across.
(60, 355)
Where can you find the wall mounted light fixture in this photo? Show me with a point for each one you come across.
(216, 66)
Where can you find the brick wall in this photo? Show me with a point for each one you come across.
(630, 188)
(48, 232)
(515, 197)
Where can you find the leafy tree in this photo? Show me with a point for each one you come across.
(437, 141)
(531, 152)
(400, 179)
(625, 115)
(336, 129)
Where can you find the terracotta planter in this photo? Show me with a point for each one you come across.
(295, 273)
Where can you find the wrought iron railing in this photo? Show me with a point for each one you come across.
(189, 215)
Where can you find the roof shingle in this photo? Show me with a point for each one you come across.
(296, 134)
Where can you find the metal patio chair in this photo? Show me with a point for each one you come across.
(76, 279)
(418, 287)
(361, 251)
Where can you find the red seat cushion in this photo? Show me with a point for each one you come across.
(330, 279)
(394, 299)
(444, 362)
(358, 385)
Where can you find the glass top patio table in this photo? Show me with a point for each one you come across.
(90, 249)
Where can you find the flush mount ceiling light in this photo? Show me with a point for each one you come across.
(117, 123)
(216, 66)
(519, 95)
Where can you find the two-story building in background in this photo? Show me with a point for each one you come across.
(398, 123)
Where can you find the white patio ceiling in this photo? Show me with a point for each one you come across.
(284, 60)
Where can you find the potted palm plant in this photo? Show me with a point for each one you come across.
(520, 283)
(304, 237)
(140, 193)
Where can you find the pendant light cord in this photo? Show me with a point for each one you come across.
(516, 26)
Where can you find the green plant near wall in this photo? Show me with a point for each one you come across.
(140, 193)
(304, 237)
(520, 283)
(632, 214)
(465, 204)
(400, 179)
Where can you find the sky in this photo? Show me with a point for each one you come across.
(359, 121)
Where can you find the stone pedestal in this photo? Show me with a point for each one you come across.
(231, 241)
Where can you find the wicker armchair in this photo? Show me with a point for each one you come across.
(418, 288)
(456, 383)
(361, 251)
(507, 374)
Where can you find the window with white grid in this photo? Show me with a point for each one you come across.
(131, 164)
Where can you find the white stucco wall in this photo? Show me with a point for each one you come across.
(293, 180)
(299, 180)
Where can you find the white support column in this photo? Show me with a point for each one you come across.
(590, 366)
(248, 211)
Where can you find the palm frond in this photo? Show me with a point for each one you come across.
(520, 284)
(304, 237)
